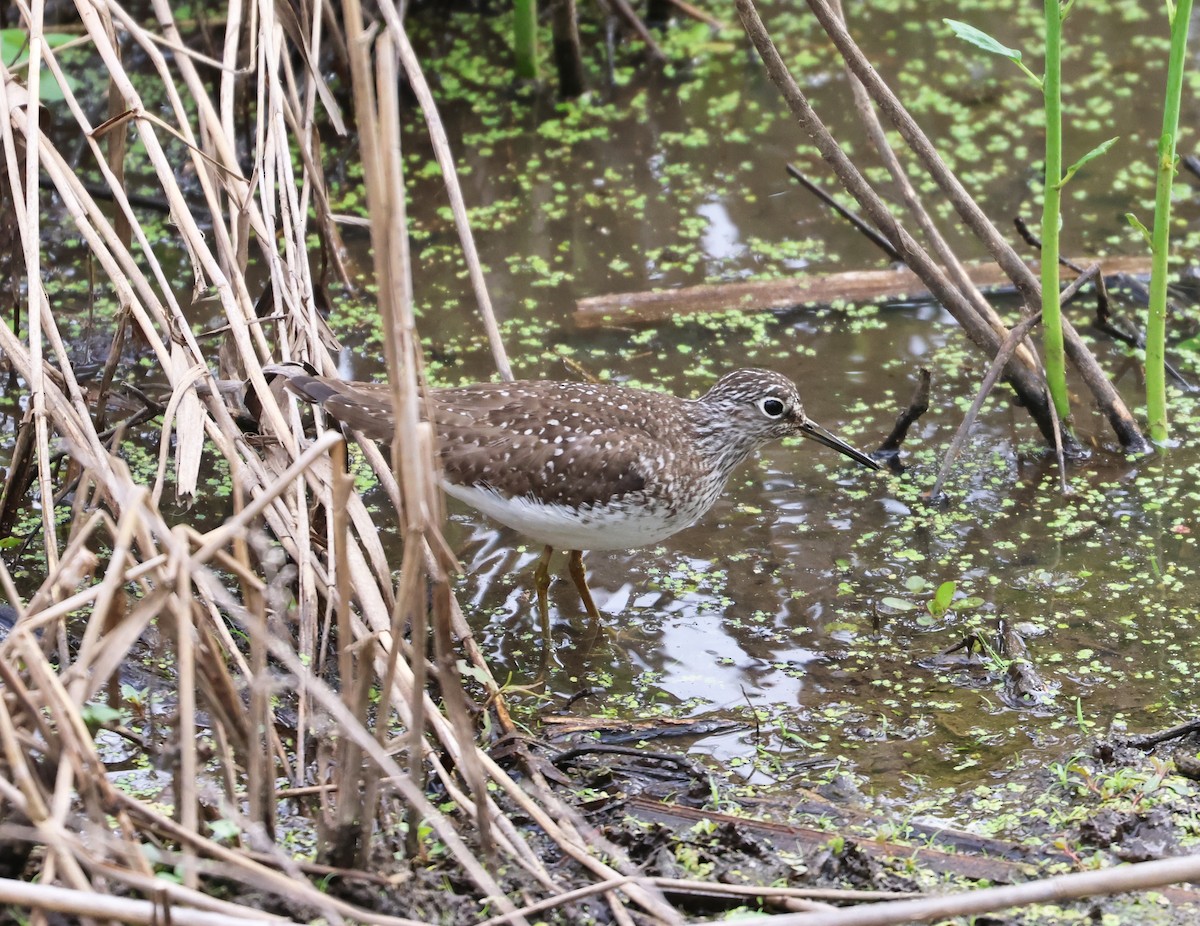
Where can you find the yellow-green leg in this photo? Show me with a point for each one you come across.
(541, 585)
(579, 575)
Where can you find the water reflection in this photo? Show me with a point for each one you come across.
(772, 606)
(721, 239)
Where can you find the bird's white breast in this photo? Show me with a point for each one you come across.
(633, 521)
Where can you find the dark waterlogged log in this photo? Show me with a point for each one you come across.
(857, 286)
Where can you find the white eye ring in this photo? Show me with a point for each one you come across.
(772, 407)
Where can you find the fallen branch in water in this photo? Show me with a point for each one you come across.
(857, 286)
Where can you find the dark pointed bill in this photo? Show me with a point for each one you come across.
(814, 431)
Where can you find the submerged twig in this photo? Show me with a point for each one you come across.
(985, 388)
(990, 379)
(850, 216)
(941, 248)
(1147, 740)
(696, 13)
(627, 13)
(918, 405)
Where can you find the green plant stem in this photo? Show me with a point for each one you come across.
(1056, 375)
(1156, 312)
(525, 38)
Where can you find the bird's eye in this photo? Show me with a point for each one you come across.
(772, 408)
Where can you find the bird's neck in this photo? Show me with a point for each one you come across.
(723, 445)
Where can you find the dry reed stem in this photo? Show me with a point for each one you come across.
(31, 800)
(445, 159)
(397, 778)
(38, 304)
(185, 656)
(1141, 876)
(241, 867)
(155, 569)
(47, 898)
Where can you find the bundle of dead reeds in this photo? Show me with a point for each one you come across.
(356, 651)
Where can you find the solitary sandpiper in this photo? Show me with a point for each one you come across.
(583, 466)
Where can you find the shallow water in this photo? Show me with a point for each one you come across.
(798, 605)
(778, 609)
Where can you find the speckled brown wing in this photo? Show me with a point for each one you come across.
(550, 441)
(365, 407)
(562, 440)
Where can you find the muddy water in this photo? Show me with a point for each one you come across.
(798, 607)
(785, 608)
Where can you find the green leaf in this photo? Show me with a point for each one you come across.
(14, 50)
(97, 715)
(897, 604)
(1094, 153)
(1137, 224)
(224, 830)
(14, 44)
(473, 672)
(942, 598)
(981, 39)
